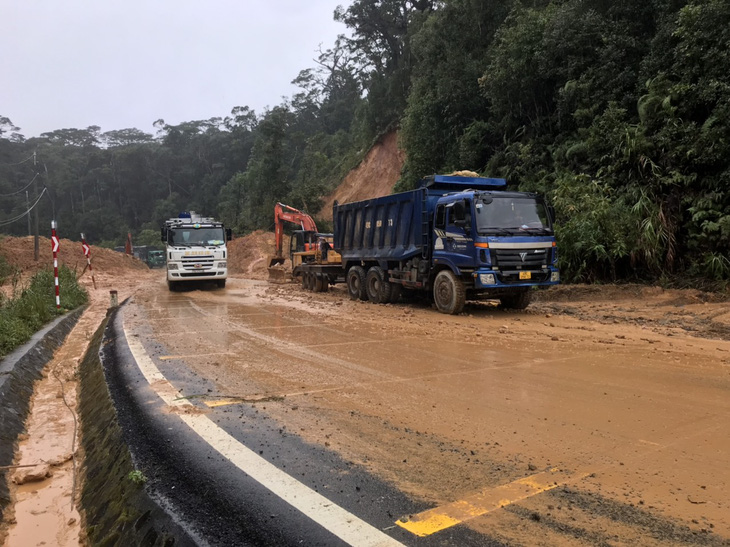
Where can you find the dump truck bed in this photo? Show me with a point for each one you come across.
(394, 227)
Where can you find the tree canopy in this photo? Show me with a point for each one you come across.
(616, 110)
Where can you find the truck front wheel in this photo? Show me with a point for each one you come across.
(356, 283)
(448, 293)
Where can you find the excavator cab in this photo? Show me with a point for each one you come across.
(302, 241)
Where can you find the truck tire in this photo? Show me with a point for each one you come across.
(356, 283)
(221, 283)
(517, 301)
(395, 290)
(319, 283)
(172, 286)
(378, 289)
(448, 293)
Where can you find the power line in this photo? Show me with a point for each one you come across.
(26, 159)
(21, 190)
(8, 221)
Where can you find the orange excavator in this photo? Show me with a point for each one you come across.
(304, 245)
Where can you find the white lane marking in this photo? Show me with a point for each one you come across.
(324, 512)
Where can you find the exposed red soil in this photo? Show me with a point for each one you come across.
(373, 178)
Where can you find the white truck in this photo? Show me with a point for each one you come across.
(196, 250)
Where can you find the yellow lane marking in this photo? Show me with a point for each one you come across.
(168, 357)
(223, 402)
(243, 400)
(439, 518)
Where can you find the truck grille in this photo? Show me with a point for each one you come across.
(197, 263)
(520, 259)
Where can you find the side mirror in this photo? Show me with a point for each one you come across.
(551, 211)
(229, 234)
(163, 235)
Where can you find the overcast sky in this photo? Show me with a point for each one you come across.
(127, 63)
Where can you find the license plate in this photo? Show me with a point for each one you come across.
(525, 275)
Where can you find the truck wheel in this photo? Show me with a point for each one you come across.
(310, 281)
(318, 283)
(356, 283)
(379, 290)
(172, 286)
(395, 290)
(221, 283)
(448, 293)
(517, 301)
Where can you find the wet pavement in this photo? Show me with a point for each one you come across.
(517, 427)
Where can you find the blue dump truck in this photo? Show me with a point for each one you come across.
(459, 238)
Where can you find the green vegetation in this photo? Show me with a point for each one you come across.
(6, 271)
(24, 314)
(137, 477)
(616, 110)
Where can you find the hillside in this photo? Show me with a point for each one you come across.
(374, 177)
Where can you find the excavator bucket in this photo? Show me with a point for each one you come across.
(275, 260)
(277, 272)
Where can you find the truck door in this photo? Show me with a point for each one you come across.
(453, 237)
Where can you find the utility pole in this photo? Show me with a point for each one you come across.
(36, 242)
(27, 208)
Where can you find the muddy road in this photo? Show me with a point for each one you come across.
(594, 417)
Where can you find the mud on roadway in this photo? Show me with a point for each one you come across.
(599, 415)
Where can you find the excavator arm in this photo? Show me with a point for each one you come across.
(290, 214)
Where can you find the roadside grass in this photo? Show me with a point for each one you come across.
(23, 314)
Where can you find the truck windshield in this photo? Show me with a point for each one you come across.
(196, 236)
(512, 215)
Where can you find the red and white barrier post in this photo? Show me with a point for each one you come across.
(87, 253)
(54, 248)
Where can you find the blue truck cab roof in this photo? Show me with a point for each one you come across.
(447, 184)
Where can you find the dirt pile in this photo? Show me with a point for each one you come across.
(18, 251)
(248, 256)
(374, 177)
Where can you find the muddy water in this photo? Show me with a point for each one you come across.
(44, 512)
(636, 420)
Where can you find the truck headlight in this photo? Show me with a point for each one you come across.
(555, 277)
(222, 264)
(172, 266)
(486, 279)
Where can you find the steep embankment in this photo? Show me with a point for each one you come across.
(374, 177)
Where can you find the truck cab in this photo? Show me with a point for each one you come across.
(503, 239)
(196, 249)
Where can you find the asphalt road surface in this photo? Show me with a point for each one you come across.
(271, 416)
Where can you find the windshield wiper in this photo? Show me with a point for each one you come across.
(498, 231)
(540, 231)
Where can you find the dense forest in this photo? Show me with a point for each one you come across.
(617, 110)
